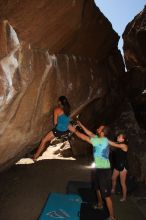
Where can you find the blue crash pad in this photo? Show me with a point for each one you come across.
(62, 206)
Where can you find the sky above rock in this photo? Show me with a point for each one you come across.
(120, 13)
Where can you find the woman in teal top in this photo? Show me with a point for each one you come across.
(61, 122)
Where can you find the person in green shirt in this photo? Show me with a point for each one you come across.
(102, 178)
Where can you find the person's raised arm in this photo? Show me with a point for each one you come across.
(82, 136)
(88, 132)
(124, 147)
(79, 134)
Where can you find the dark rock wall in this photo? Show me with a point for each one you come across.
(134, 41)
(134, 38)
(69, 27)
(134, 83)
(48, 49)
(31, 81)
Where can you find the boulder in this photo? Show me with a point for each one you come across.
(134, 82)
(48, 49)
(134, 41)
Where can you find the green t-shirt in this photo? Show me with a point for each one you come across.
(101, 152)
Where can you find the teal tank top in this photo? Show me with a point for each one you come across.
(63, 122)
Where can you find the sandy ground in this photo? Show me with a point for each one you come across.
(24, 188)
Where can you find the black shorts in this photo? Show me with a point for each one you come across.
(59, 133)
(121, 166)
(102, 181)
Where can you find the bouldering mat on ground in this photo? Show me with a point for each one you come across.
(61, 206)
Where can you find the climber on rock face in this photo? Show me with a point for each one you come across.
(61, 122)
